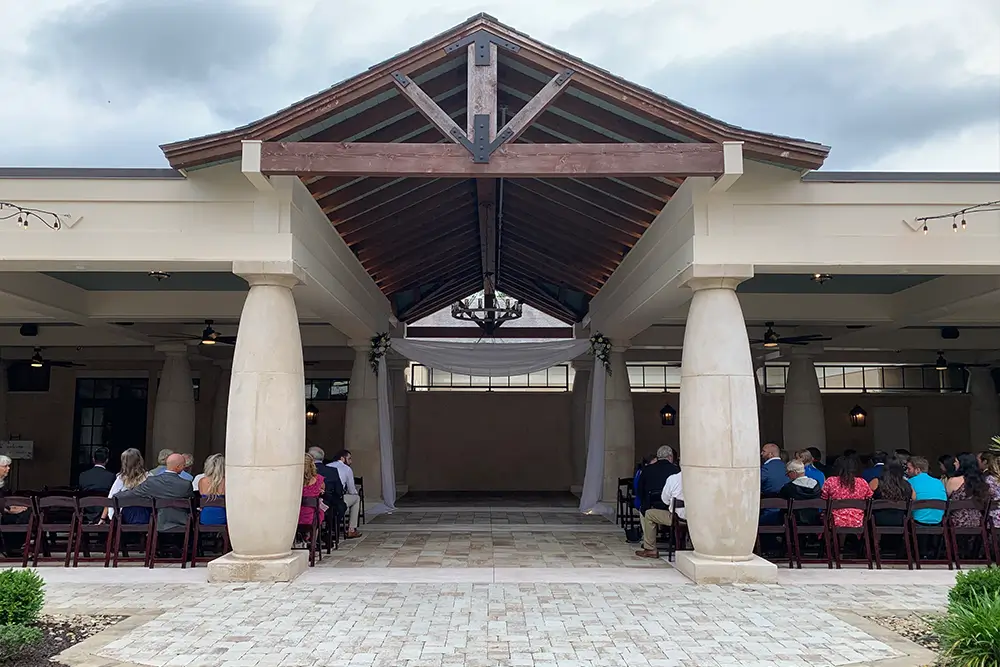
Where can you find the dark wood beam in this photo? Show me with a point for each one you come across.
(428, 107)
(505, 331)
(423, 196)
(530, 112)
(590, 252)
(391, 247)
(549, 263)
(436, 293)
(486, 199)
(430, 272)
(594, 199)
(463, 274)
(398, 188)
(533, 295)
(363, 187)
(511, 160)
(535, 196)
(560, 252)
(545, 190)
(428, 247)
(415, 219)
(615, 189)
(429, 306)
(520, 259)
(449, 247)
(541, 211)
(481, 91)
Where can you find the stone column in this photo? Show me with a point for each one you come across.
(361, 423)
(804, 424)
(619, 425)
(4, 432)
(265, 437)
(984, 409)
(400, 418)
(719, 440)
(220, 408)
(174, 410)
(580, 420)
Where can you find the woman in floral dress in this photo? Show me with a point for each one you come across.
(847, 484)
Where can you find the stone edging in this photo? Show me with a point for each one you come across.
(914, 655)
(84, 654)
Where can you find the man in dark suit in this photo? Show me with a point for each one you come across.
(166, 485)
(652, 509)
(772, 480)
(97, 480)
(333, 494)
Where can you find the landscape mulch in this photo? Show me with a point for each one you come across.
(60, 633)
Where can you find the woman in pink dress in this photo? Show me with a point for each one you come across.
(847, 484)
(312, 487)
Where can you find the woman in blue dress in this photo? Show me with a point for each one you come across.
(212, 486)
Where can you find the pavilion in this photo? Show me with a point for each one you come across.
(485, 161)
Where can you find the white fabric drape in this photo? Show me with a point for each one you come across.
(485, 359)
(385, 437)
(593, 476)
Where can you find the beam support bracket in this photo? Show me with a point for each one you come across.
(482, 39)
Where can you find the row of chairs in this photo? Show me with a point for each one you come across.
(912, 539)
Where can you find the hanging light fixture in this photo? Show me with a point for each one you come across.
(941, 364)
(312, 414)
(770, 336)
(857, 416)
(488, 312)
(668, 416)
(209, 335)
(821, 277)
(36, 359)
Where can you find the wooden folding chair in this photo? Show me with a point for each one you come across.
(359, 483)
(621, 508)
(879, 530)
(820, 531)
(928, 531)
(85, 530)
(980, 531)
(17, 535)
(219, 530)
(123, 530)
(312, 535)
(56, 514)
(838, 534)
(782, 529)
(184, 531)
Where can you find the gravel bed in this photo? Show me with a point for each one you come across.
(60, 632)
(914, 627)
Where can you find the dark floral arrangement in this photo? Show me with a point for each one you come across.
(380, 346)
(600, 347)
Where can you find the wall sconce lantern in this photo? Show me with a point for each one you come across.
(858, 416)
(312, 414)
(668, 416)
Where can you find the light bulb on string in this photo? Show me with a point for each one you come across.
(925, 227)
(963, 222)
(954, 224)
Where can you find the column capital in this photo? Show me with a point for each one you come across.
(359, 345)
(620, 344)
(172, 349)
(583, 365)
(805, 352)
(715, 276)
(277, 273)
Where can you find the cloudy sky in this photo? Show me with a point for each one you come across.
(893, 85)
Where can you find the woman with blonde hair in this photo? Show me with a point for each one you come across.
(212, 486)
(133, 473)
(313, 486)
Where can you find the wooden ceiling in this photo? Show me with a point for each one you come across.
(557, 239)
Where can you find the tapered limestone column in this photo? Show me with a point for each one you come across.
(719, 440)
(220, 408)
(174, 410)
(804, 424)
(400, 418)
(265, 437)
(361, 423)
(619, 425)
(580, 416)
(4, 433)
(984, 409)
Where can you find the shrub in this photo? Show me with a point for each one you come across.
(970, 582)
(15, 638)
(970, 632)
(21, 597)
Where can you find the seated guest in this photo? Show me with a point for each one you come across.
(991, 470)
(212, 486)
(902, 453)
(802, 487)
(651, 458)
(15, 514)
(167, 485)
(925, 487)
(673, 489)
(891, 485)
(333, 495)
(809, 462)
(161, 460)
(948, 465)
(847, 484)
(878, 464)
(133, 473)
(342, 462)
(772, 471)
(817, 460)
(312, 487)
(968, 484)
(98, 480)
(652, 509)
(188, 465)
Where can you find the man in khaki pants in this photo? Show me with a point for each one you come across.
(654, 513)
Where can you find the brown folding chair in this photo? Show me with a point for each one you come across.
(331, 530)
(312, 534)
(800, 529)
(782, 529)
(220, 531)
(85, 530)
(17, 535)
(838, 534)
(981, 531)
(879, 530)
(184, 531)
(122, 530)
(359, 483)
(928, 531)
(56, 514)
(622, 507)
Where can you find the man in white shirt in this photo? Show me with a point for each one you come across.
(342, 462)
(674, 490)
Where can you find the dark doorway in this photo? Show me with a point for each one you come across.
(109, 413)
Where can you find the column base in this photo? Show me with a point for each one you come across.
(702, 570)
(233, 569)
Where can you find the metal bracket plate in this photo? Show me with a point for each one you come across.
(401, 79)
(482, 39)
(481, 146)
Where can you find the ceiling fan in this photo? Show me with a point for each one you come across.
(771, 338)
(38, 361)
(209, 336)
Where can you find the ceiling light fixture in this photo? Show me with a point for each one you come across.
(770, 337)
(941, 364)
(209, 335)
(821, 277)
(158, 275)
(36, 358)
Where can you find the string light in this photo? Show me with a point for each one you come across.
(26, 215)
(954, 223)
(969, 210)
